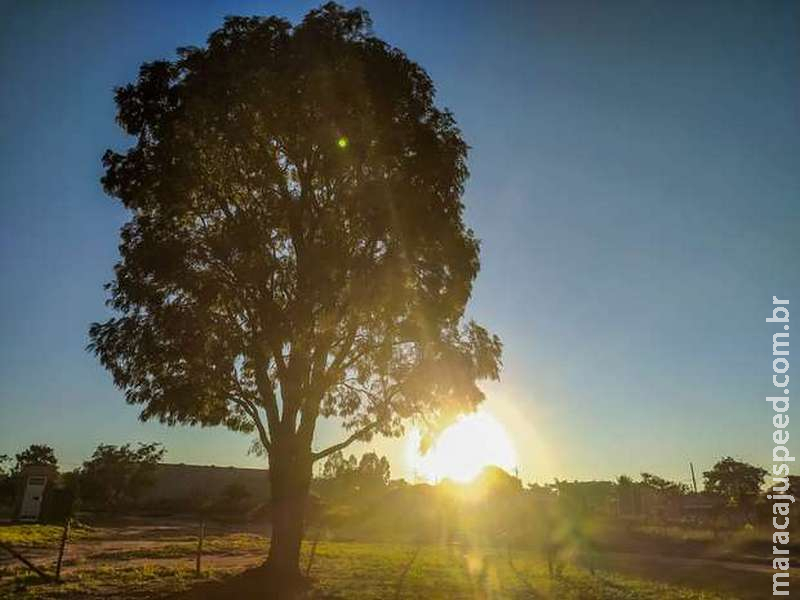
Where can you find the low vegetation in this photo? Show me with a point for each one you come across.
(33, 535)
(143, 581)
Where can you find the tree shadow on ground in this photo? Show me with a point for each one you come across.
(256, 583)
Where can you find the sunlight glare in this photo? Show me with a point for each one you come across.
(462, 450)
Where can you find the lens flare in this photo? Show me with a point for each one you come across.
(343, 142)
(462, 450)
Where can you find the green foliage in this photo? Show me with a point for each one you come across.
(36, 535)
(35, 454)
(374, 470)
(336, 466)
(739, 483)
(264, 261)
(6, 481)
(351, 479)
(663, 486)
(296, 246)
(106, 581)
(370, 467)
(115, 476)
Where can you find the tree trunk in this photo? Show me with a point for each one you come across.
(290, 478)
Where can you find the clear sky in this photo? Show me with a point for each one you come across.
(635, 183)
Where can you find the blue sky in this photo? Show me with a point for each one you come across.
(634, 182)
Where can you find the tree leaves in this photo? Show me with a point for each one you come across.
(268, 270)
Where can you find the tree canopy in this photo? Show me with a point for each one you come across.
(296, 246)
(347, 476)
(265, 266)
(738, 482)
(35, 454)
(663, 486)
(115, 476)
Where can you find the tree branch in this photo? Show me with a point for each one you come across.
(315, 456)
(252, 410)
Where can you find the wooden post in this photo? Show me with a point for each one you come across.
(694, 480)
(64, 537)
(313, 551)
(200, 547)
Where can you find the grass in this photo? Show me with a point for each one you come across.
(30, 535)
(33, 535)
(678, 533)
(375, 571)
(342, 570)
(227, 545)
(106, 582)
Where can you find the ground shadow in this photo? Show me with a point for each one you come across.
(256, 583)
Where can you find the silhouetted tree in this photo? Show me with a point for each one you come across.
(336, 466)
(296, 247)
(373, 470)
(663, 486)
(116, 476)
(6, 481)
(343, 477)
(794, 486)
(739, 483)
(35, 454)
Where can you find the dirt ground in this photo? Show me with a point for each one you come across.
(141, 540)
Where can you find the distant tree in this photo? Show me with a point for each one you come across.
(234, 497)
(738, 483)
(336, 466)
(35, 454)
(373, 470)
(629, 499)
(348, 476)
(540, 491)
(496, 480)
(71, 481)
(586, 497)
(296, 247)
(624, 481)
(794, 486)
(116, 476)
(235, 492)
(663, 486)
(6, 481)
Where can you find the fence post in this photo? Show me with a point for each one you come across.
(200, 547)
(64, 537)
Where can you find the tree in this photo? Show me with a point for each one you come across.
(234, 498)
(373, 471)
(6, 481)
(739, 483)
(116, 476)
(344, 477)
(35, 454)
(337, 466)
(663, 486)
(794, 486)
(296, 248)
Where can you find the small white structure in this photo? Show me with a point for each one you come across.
(36, 479)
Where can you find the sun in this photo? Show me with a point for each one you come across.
(462, 450)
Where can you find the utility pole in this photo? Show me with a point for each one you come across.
(694, 480)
